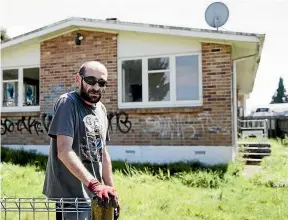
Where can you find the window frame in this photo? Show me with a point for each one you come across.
(145, 90)
(20, 107)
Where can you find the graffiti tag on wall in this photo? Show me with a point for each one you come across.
(168, 127)
(179, 126)
(123, 124)
(24, 123)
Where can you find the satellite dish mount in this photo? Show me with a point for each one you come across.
(216, 14)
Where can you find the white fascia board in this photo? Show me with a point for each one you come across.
(206, 34)
(167, 31)
(37, 34)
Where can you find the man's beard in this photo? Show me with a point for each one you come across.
(91, 96)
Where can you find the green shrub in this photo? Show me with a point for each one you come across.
(23, 158)
(274, 171)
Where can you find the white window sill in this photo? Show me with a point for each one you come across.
(21, 109)
(140, 105)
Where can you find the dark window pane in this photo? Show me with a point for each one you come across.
(132, 81)
(159, 86)
(158, 64)
(31, 87)
(10, 74)
(10, 94)
(187, 78)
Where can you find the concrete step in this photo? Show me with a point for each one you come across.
(250, 161)
(258, 154)
(253, 159)
(254, 152)
(257, 148)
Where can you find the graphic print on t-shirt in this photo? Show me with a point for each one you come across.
(92, 149)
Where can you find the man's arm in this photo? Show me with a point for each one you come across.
(71, 160)
(107, 168)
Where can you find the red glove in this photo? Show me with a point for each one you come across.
(103, 193)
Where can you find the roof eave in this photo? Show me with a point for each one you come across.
(125, 26)
(258, 59)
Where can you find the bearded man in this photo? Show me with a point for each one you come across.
(79, 165)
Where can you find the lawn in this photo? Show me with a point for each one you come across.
(195, 193)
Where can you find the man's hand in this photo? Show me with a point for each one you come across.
(103, 193)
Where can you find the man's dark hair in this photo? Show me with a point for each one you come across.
(82, 71)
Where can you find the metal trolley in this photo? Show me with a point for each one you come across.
(43, 208)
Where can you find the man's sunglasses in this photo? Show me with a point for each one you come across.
(91, 80)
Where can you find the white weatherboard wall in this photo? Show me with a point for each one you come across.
(210, 155)
(21, 56)
(132, 44)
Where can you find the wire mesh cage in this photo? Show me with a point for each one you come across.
(54, 208)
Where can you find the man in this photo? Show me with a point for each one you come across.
(78, 162)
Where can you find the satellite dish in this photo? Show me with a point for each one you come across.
(216, 14)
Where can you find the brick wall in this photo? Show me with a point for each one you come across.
(61, 58)
(207, 125)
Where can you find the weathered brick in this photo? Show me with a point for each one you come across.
(210, 124)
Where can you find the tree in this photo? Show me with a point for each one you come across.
(4, 35)
(280, 94)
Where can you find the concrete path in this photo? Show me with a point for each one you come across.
(251, 170)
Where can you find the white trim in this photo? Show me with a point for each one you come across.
(157, 55)
(21, 109)
(200, 78)
(20, 87)
(172, 66)
(122, 26)
(210, 155)
(2, 87)
(119, 80)
(145, 82)
(234, 109)
(10, 81)
(21, 66)
(136, 105)
(172, 70)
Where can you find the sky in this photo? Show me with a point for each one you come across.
(257, 16)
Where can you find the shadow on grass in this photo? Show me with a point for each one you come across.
(191, 173)
(23, 158)
(172, 168)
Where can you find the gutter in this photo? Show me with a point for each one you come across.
(136, 27)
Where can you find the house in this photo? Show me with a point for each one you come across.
(173, 92)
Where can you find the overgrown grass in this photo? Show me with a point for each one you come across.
(274, 168)
(181, 191)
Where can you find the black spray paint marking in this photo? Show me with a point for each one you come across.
(22, 124)
(124, 125)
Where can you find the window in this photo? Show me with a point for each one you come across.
(31, 87)
(158, 79)
(132, 81)
(163, 81)
(10, 87)
(20, 89)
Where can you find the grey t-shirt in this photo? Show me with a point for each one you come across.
(88, 126)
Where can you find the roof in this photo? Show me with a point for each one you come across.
(116, 25)
(246, 47)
